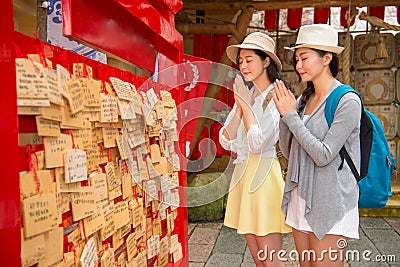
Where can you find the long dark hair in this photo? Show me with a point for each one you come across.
(273, 72)
(310, 90)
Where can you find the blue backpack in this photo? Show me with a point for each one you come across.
(376, 162)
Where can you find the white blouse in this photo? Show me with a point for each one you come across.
(261, 136)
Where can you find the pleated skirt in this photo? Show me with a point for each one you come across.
(255, 197)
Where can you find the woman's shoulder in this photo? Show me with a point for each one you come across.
(349, 98)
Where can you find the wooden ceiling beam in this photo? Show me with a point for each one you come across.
(200, 28)
(279, 4)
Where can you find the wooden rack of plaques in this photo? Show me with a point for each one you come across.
(99, 176)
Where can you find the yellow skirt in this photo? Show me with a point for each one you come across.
(255, 197)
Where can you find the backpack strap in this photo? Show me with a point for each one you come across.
(330, 109)
(333, 100)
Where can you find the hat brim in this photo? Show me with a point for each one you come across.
(333, 49)
(232, 51)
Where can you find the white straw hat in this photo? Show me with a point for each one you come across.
(318, 36)
(255, 40)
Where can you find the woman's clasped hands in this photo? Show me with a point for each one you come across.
(243, 97)
(284, 99)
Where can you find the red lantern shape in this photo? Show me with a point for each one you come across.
(343, 20)
(377, 11)
(321, 15)
(271, 19)
(294, 18)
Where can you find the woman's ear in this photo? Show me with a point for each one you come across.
(327, 58)
(267, 61)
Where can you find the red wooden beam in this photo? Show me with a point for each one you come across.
(173, 5)
(10, 234)
(130, 29)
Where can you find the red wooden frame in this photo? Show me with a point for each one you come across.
(156, 35)
(123, 28)
(10, 234)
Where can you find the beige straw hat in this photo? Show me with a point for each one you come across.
(255, 40)
(318, 36)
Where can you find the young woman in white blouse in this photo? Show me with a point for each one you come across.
(251, 131)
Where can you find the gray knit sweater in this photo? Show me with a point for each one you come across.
(314, 161)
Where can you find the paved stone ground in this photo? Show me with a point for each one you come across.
(214, 245)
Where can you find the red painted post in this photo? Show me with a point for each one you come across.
(377, 11)
(343, 19)
(321, 15)
(271, 19)
(294, 17)
(202, 46)
(10, 233)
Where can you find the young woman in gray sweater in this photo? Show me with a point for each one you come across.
(319, 200)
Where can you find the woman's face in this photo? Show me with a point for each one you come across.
(309, 64)
(251, 65)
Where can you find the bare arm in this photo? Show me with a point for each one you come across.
(230, 130)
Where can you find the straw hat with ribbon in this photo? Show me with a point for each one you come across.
(317, 36)
(255, 40)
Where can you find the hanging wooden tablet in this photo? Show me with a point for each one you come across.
(376, 86)
(89, 254)
(91, 92)
(94, 222)
(163, 254)
(39, 214)
(121, 214)
(63, 76)
(131, 246)
(107, 259)
(53, 241)
(70, 121)
(74, 238)
(32, 250)
(83, 203)
(52, 112)
(366, 52)
(55, 96)
(83, 136)
(31, 83)
(82, 70)
(388, 116)
(47, 127)
(109, 226)
(127, 192)
(109, 137)
(75, 166)
(55, 148)
(29, 185)
(76, 99)
(98, 181)
(109, 109)
(122, 88)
